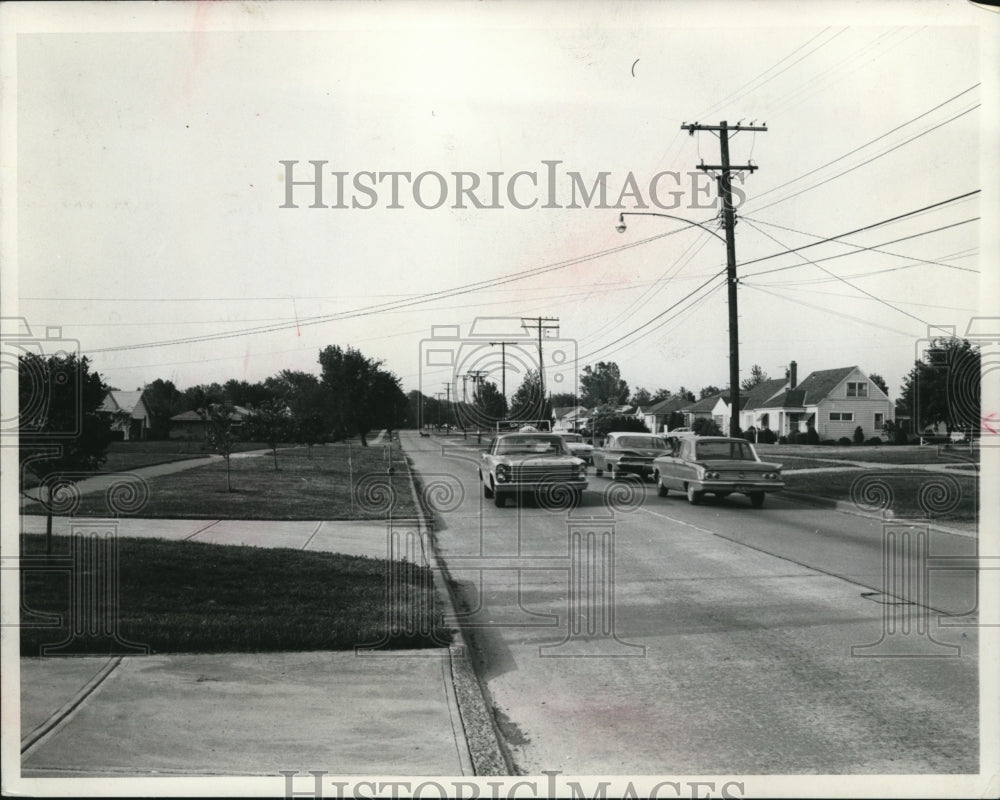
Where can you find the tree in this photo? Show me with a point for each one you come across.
(944, 387)
(163, 400)
(604, 424)
(757, 376)
(306, 400)
(527, 402)
(708, 391)
(361, 394)
(687, 393)
(879, 381)
(198, 398)
(270, 422)
(243, 393)
(659, 394)
(642, 397)
(60, 433)
(489, 402)
(221, 433)
(602, 385)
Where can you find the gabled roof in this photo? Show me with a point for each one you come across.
(667, 405)
(239, 413)
(116, 400)
(562, 411)
(761, 393)
(706, 403)
(814, 389)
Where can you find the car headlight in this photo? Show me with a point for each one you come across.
(711, 476)
(581, 471)
(503, 473)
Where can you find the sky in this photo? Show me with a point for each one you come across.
(153, 227)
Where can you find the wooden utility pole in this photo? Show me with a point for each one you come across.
(503, 366)
(542, 324)
(729, 220)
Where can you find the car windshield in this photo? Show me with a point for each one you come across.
(531, 445)
(731, 451)
(652, 442)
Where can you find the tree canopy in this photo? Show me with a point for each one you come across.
(944, 387)
(362, 395)
(757, 376)
(603, 385)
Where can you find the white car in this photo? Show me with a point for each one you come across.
(578, 446)
(516, 464)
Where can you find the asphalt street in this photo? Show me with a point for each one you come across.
(641, 635)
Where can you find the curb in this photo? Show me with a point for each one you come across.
(845, 507)
(481, 735)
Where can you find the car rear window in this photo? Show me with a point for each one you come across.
(642, 441)
(734, 451)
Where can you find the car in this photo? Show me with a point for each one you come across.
(681, 432)
(578, 447)
(625, 452)
(516, 464)
(717, 465)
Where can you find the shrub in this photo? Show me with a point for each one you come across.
(795, 437)
(706, 427)
(750, 434)
(874, 440)
(782, 440)
(812, 437)
(899, 436)
(859, 435)
(767, 436)
(843, 441)
(828, 442)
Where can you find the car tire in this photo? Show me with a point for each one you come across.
(757, 499)
(499, 500)
(694, 497)
(487, 491)
(661, 490)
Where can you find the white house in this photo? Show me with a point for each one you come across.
(833, 401)
(656, 416)
(129, 415)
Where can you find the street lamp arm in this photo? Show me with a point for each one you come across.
(620, 227)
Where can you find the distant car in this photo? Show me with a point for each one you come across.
(530, 463)
(681, 432)
(717, 465)
(629, 453)
(578, 447)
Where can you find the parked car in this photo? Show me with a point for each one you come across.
(718, 465)
(578, 447)
(522, 463)
(629, 453)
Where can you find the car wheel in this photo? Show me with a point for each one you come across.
(661, 490)
(487, 491)
(694, 497)
(757, 499)
(499, 500)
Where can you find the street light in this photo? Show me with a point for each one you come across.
(731, 281)
(621, 227)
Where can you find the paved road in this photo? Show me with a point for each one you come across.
(711, 639)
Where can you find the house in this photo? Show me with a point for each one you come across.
(657, 415)
(833, 401)
(193, 425)
(715, 407)
(130, 417)
(752, 400)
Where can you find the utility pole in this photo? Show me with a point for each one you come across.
(729, 220)
(542, 324)
(464, 378)
(477, 376)
(503, 365)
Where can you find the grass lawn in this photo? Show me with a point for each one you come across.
(125, 456)
(316, 488)
(184, 597)
(794, 455)
(905, 487)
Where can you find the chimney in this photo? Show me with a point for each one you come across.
(793, 377)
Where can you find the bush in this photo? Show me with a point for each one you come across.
(706, 427)
(782, 440)
(766, 436)
(828, 442)
(899, 436)
(844, 441)
(796, 438)
(812, 437)
(874, 440)
(859, 435)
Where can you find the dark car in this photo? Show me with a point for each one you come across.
(717, 465)
(629, 453)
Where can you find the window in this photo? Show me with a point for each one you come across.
(857, 389)
(841, 416)
(879, 421)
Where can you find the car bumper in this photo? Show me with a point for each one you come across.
(737, 487)
(645, 470)
(540, 486)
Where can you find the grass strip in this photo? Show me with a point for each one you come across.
(194, 597)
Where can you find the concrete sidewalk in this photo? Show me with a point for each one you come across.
(380, 712)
